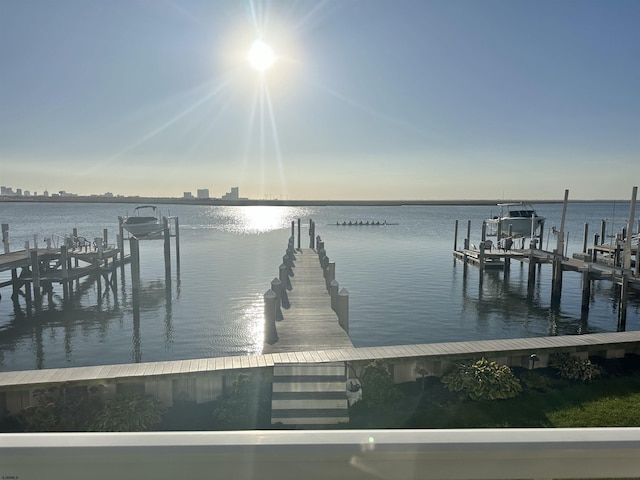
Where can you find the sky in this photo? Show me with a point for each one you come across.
(369, 99)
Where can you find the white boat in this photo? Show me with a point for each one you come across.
(145, 221)
(520, 217)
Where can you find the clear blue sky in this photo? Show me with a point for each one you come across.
(371, 99)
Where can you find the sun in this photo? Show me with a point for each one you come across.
(261, 56)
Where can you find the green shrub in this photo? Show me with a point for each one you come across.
(482, 380)
(129, 412)
(378, 390)
(61, 409)
(574, 368)
(243, 407)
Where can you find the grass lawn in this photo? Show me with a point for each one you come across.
(611, 400)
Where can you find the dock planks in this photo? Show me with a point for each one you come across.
(310, 324)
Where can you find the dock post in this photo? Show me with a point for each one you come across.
(105, 237)
(64, 262)
(622, 304)
(556, 280)
(586, 289)
(484, 230)
(584, 240)
(603, 232)
(286, 282)
(286, 260)
(455, 237)
(5, 237)
(481, 257)
(270, 332)
(176, 225)
(167, 247)
(334, 286)
(531, 281)
(293, 229)
(343, 309)
(134, 250)
(299, 234)
(541, 234)
(121, 239)
(312, 234)
(330, 273)
(35, 275)
(560, 245)
(276, 287)
(627, 240)
(468, 233)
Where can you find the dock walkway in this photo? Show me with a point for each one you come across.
(310, 323)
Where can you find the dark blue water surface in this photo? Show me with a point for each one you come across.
(403, 283)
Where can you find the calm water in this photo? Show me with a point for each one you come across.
(404, 285)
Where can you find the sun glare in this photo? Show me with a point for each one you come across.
(261, 56)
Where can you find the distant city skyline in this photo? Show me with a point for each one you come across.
(337, 100)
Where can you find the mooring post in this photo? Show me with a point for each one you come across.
(468, 233)
(287, 262)
(270, 332)
(286, 282)
(627, 240)
(312, 234)
(343, 309)
(622, 304)
(176, 225)
(586, 289)
(330, 273)
(121, 239)
(35, 275)
(299, 229)
(276, 287)
(556, 280)
(333, 293)
(484, 231)
(594, 253)
(5, 237)
(481, 257)
(455, 237)
(134, 251)
(584, 239)
(541, 234)
(603, 232)
(167, 247)
(105, 237)
(531, 280)
(293, 229)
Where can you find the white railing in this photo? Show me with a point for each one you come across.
(323, 454)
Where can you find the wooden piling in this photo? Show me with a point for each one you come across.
(531, 280)
(167, 247)
(603, 232)
(584, 239)
(330, 273)
(35, 275)
(622, 303)
(586, 290)
(276, 287)
(299, 229)
(134, 250)
(121, 239)
(286, 282)
(343, 309)
(270, 332)
(5, 237)
(468, 233)
(176, 224)
(484, 231)
(334, 287)
(455, 237)
(627, 243)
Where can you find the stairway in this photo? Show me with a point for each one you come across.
(309, 395)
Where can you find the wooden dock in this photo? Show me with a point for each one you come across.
(310, 323)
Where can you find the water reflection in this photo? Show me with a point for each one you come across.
(253, 219)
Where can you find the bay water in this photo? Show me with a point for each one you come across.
(404, 285)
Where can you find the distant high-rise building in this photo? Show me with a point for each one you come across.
(203, 193)
(234, 194)
(46, 193)
(19, 192)
(187, 195)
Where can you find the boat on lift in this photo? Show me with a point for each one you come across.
(520, 217)
(145, 221)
